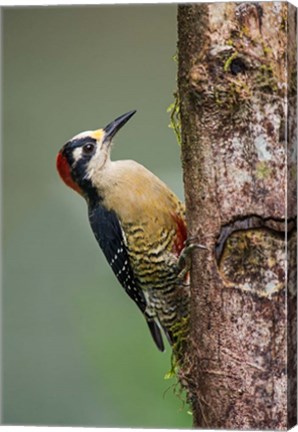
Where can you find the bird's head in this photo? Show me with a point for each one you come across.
(86, 154)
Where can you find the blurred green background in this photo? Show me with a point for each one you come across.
(76, 351)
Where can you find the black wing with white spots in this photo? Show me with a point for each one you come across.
(107, 230)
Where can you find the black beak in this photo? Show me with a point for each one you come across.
(112, 128)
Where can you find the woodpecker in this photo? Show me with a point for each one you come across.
(138, 222)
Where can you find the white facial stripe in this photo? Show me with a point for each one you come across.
(77, 153)
(82, 135)
(97, 162)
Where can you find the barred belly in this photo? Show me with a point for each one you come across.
(156, 271)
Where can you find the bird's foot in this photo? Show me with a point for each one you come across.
(184, 261)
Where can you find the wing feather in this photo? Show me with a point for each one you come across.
(110, 236)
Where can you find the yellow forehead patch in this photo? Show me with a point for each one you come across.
(97, 134)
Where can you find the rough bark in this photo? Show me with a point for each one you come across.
(237, 89)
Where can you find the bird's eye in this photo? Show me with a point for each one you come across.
(88, 148)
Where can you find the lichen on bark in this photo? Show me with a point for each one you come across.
(237, 89)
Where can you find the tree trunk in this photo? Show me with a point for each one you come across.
(237, 91)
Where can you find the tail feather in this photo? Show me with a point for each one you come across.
(156, 334)
(169, 336)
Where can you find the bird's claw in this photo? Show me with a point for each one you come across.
(191, 242)
(183, 265)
